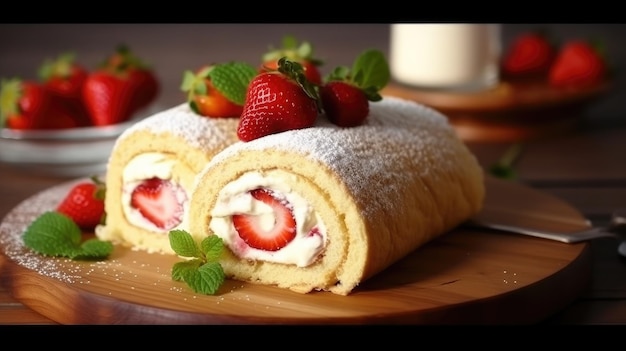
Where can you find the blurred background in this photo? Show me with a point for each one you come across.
(173, 48)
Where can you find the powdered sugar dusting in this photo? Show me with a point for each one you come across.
(362, 156)
(198, 131)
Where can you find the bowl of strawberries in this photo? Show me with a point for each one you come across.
(66, 122)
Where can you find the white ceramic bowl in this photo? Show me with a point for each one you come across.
(67, 153)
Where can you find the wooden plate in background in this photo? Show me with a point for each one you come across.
(510, 111)
(465, 276)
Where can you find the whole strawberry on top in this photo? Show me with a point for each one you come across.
(28, 105)
(301, 52)
(277, 101)
(65, 78)
(530, 55)
(579, 63)
(347, 92)
(121, 86)
(84, 203)
(218, 90)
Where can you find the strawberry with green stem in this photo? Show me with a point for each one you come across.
(347, 92)
(293, 50)
(218, 90)
(29, 105)
(84, 203)
(65, 78)
(120, 87)
(277, 101)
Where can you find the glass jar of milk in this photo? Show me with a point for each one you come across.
(450, 56)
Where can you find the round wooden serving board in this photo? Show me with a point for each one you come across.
(511, 110)
(465, 276)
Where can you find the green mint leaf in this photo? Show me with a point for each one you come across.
(183, 244)
(207, 279)
(203, 274)
(182, 269)
(94, 249)
(370, 69)
(55, 234)
(212, 248)
(232, 80)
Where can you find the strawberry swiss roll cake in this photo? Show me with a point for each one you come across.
(325, 208)
(151, 172)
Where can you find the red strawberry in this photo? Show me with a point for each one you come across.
(346, 95)
(218, 90)
(278, 101)
(124, 60)
(294, 51)
(269, 239)
(578, 64)
(29, 105)
(64, 77)
(156, 199)
(530, 55)
(84, 204)
(110, 97)
(346, 105)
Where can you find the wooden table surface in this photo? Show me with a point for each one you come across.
(586, 167)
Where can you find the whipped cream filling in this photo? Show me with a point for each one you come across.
(235, 198)
(145, 166)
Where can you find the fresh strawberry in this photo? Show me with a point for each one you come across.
(124, 60)
(84, 204)
(578, 63)
(29, 105)
(347, 92)
(252, 231)
(301, 52)
(64, 77)
(218, 90)
(156, 199)
(530, 56)
(110, 97)
(278, 101)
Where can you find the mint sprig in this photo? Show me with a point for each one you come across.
(202, 272)
(55, 234)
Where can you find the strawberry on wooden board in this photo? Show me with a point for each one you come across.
(265, 237)
(301, 52)
(157, 201)
(278, 101)
(29, 105)
(218, 90)
(579, 63)
(346, 94)
(84, 204)
(65, 78)
(530, 55)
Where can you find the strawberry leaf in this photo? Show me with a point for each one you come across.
(371, 69)
(232, 80)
